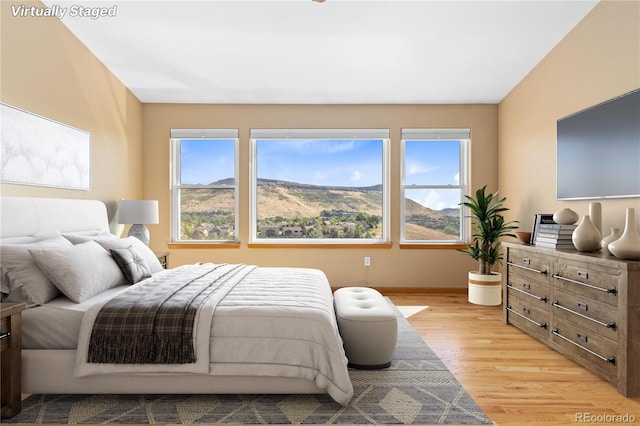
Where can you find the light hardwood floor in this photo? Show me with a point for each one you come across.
(515, 379)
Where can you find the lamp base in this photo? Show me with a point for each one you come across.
(140, 232)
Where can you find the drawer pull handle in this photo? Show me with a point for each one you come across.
(527, 268)
(542, 299)
(4, 334)
(541, 325)
(606, 290)
(611, 325)
(610, 360)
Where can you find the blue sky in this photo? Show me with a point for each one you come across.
(433, 163)
(330, 162)
(204, 162)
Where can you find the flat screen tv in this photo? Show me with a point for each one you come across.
(598, 151)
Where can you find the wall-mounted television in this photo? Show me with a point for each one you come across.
(598, 151)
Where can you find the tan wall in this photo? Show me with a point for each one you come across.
(393, 267)
(46, 70)
(598, 60)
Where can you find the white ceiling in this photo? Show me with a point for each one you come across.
(336, 52)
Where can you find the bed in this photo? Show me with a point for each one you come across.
(263, 330)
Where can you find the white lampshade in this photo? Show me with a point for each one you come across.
(138, 211)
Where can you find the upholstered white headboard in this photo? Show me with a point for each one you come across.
(28, 219)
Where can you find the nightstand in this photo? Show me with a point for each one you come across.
(163, 257)
(10, 368)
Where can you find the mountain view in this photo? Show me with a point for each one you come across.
(296, 210)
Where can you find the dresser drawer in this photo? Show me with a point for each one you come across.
(529, 315)
(599, 285)
(527, 265)
(528, 287)
(597, 350)
(590, 314)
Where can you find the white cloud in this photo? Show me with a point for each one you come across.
(356, 175)
(417, 168)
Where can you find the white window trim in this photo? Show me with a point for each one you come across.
(464, 137)
(176, 136)
(256, 134)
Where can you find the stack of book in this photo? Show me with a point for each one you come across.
(554, 235)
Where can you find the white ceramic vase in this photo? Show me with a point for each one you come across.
(565, 217)
(586, 237)
(604, 243)
(595, 213)
(627, 247)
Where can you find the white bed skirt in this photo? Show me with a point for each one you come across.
(51, 372)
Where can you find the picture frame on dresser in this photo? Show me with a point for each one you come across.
(539, 218)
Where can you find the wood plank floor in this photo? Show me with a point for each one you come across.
(515, 379)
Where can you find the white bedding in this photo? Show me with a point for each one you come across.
(278, 322)
(56, 324)
(260, 342)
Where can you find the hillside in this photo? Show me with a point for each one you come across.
(278, 200)
(290, 199)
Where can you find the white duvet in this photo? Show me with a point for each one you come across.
(276, 322)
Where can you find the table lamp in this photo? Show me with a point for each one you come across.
(138, 213)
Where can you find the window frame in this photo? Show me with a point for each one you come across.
(463, 136)
(177, 135)
(319, 134)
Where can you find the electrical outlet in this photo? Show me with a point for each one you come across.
(367, 261)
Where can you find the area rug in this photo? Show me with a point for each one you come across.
(416, 389)
(409, 311)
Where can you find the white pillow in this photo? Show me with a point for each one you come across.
(80, 271)
(22, 279)
(109, 241)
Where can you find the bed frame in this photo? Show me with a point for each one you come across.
(27, 219)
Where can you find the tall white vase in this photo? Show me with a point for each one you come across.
(586, 237)
(595, 213)
(627, 247)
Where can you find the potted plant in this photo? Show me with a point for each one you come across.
(488, 226)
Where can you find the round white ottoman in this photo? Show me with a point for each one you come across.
(368, 326)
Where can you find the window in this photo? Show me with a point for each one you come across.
(319, 186)
(434, 181)
(204, 185)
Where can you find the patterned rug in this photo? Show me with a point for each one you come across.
(416, 389)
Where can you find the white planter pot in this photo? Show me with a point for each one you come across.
(485, 289)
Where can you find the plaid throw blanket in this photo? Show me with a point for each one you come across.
(153, 323)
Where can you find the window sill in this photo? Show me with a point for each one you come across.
(204, 245)
(320, 246)
(435, 246)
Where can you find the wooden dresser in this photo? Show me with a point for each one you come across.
(11, 347)
(584, 305)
